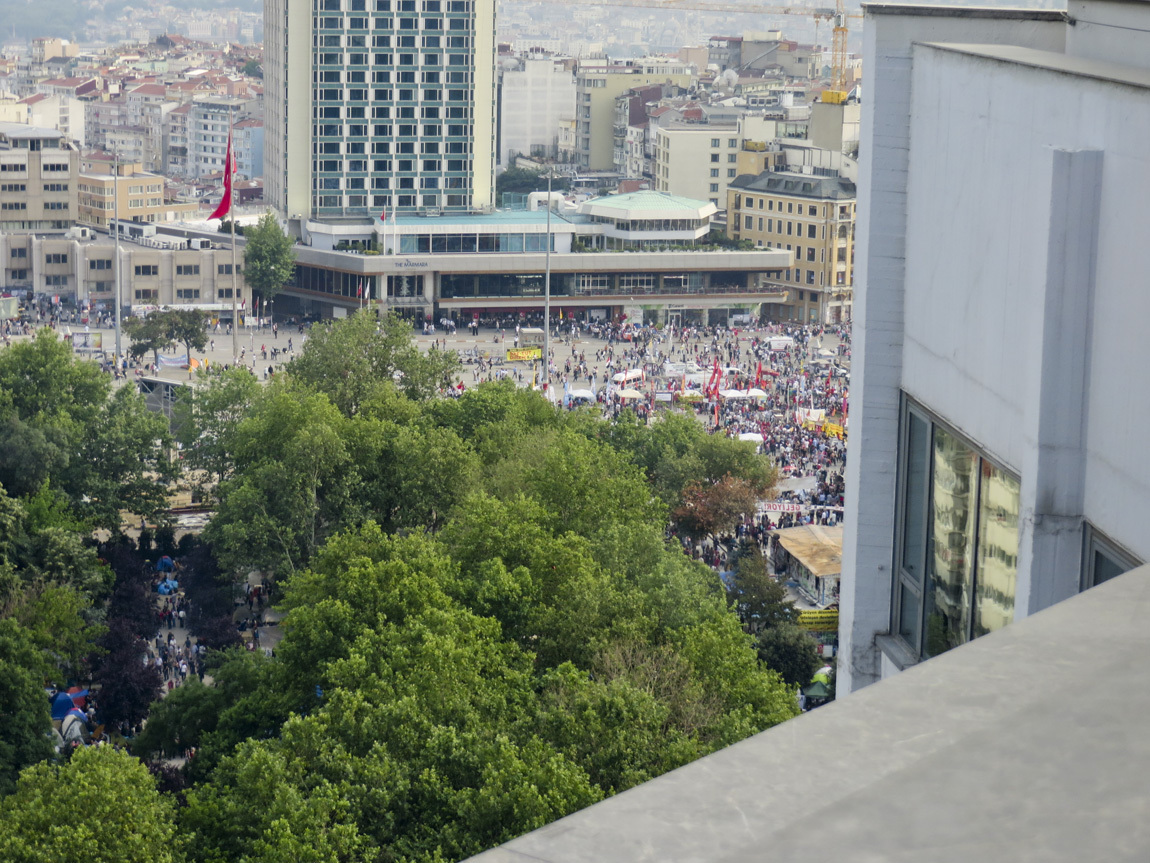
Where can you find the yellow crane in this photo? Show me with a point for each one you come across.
(838, 15)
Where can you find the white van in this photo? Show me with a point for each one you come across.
(628, 377)
(780, 343)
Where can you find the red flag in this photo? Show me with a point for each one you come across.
(229, 168)
(359, 290)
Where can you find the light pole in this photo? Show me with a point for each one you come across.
(116, 228)
(547, 293)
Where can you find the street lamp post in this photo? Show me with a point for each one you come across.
(116, 228)
(547, 293)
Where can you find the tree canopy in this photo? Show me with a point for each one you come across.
(269, 257)
(485, 626)
(63, 423)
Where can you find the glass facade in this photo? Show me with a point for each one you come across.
(957, 539)
(393, 96)
(447, 243)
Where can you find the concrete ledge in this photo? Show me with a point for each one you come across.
(1028, 744)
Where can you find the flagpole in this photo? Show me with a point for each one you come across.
(235, 275)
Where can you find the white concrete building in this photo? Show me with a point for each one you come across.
(696, 160)
(534, 99)
(995, 459)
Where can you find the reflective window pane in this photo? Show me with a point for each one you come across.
(914, 500)
(997, 550)
(949, 592)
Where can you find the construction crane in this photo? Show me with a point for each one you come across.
(838, 16)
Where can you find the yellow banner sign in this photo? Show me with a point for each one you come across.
(821, 620)
(515, 355)
(824, 427)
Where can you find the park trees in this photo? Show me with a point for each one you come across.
(101, 800)
(207, 422)
(269, 257)
(360, 358)
(102, 450)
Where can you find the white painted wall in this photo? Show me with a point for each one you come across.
(876, 372)
(534, 101)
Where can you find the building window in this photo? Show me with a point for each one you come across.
(714, 172)
(730, 172)
(714, 157)
(100, 264)
(147, 294)
(226, 269)
(57, 258)
(748, 222)
(715, 143)
(956, 545)
(187, 293)
(19, 253)
(187, 269)
(1103, 559)
(714, 187)
(55, 281)
(147, 269)
(732, 157)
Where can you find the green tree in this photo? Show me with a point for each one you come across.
(791, 652)
(524, 180)
(253, 69)
(149, 334)
(207, 422)
(760, 601)
(104, 451)
(359, 359)
(26, 729)
(102, 804)
(269, 257)
(290, 485)
(187, 327)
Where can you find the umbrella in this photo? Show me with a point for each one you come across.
(582, 394)
(732, 394)
(756, 393)
(758, 438)
(630, 394)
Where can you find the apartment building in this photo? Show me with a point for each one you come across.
(248, 146)
(176, 141)
(696, 160)
(127, 192)
(597, 85)
(534, 98)
(209, 120)
(38, 172)
(812, 216)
